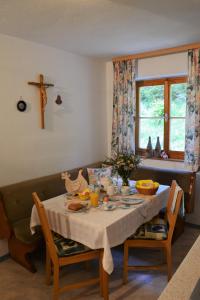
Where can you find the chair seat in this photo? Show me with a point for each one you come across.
(156, 229)
(67, 247)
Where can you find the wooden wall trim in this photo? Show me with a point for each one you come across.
(159, 52)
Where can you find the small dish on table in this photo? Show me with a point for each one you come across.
(129, 201)
(109, 207)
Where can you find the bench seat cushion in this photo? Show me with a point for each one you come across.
(22, 232)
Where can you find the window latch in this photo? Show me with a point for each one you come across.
(166, 117)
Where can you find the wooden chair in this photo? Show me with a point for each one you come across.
(164, 244)
(55, 261)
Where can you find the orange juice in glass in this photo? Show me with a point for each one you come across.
(94, 199)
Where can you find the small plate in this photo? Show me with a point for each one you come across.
(125, 206)
(132, 192)
(109, 207)
(115, 198)
(132, 201)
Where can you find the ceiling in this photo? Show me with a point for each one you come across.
(103, 28)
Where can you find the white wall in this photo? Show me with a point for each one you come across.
(75, 133)
(167, 65)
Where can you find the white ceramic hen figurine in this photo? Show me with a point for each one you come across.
(74, 186)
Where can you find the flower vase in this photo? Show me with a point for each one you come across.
(125, 180)
(125, 189)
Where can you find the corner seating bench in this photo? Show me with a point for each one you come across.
(16, 205)
(15, 211)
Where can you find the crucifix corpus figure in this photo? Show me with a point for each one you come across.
(43, 96)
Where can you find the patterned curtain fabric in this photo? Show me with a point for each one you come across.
(123, 125)
(192, 137)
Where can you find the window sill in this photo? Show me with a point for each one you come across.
(169, 164)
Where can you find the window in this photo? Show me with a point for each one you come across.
(161, 109)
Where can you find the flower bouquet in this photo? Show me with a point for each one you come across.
(123, 164)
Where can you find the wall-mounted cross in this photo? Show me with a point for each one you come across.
(43, 96)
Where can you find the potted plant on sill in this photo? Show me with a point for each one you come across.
(124, 164)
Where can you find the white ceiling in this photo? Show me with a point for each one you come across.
(103, 28)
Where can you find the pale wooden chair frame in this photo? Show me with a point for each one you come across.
(54, 262)
(165, 245)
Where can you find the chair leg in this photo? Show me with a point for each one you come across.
(48, 268)
(105, 284)
(104, 279)
(125, 271)
(55, 282)
(101, 274)
(87, 265)
(169, 262)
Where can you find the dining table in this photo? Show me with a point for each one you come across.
(100, 227)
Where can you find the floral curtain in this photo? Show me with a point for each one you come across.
(123, 124)
(192, 134)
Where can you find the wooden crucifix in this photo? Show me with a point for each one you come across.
(43, 96)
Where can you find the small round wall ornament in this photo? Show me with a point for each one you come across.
(58, 100)
(21, 105)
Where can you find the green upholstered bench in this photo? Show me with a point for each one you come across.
(15, 211)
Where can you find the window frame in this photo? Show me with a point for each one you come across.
(167, 82)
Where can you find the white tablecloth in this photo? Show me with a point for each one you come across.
(98, 228)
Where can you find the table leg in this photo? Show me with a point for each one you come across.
(105, 282)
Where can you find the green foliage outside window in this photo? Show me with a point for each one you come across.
(151, 115)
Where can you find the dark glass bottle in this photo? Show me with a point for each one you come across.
(157, 151)
(149, 152)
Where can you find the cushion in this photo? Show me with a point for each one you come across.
(66, 247)
(95, 174)
(156, 229)
(22, 231)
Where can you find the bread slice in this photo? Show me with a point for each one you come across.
(75, 206)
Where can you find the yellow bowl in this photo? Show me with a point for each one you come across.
(147, 187)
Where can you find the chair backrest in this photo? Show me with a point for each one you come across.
(175, 197)
(45, 228)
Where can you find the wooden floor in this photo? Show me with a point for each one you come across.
(18, 284)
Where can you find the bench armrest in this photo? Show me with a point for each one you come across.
(5, 228)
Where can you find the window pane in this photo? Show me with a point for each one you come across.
(151, 101)
(178, 100)
(177, 134)
(153, 128)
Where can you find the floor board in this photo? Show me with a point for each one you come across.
(18, 284)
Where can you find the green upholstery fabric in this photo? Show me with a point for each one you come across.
(156, 229)
(163, 176)
(66, 247)
(23, 233)
(17, 199)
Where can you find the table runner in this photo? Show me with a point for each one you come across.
(97, 228)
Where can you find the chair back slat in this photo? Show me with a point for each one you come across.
(172, 215)
(45, 228)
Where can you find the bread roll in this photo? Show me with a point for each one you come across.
(75, 206)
